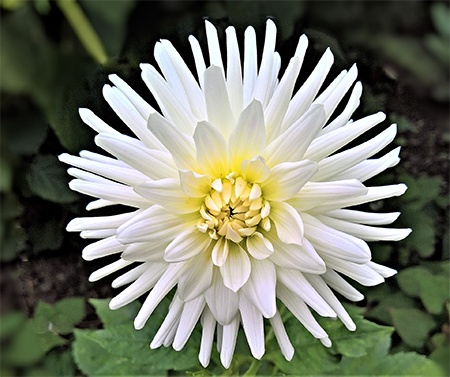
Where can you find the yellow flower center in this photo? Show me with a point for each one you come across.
(234, 209)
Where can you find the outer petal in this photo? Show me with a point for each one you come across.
(187, 245)
(237, 268)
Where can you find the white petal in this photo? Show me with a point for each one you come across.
(332, 100)
(367, 233)
(180, 146)
(249, 136)
(95, 122)
(288, 222)
(150, 224)
(167, 193)
(329, 241)
(220, 251)
(234, 74)
(153, 163)
(222, 302)
(103, 222)
(211, 150)
(138, 102)
(189, 318)
(369, 218)
(287, 178)
(250, 64)
(384, 271)
(198, 58)
(303, 258)
(333, 165)
(130, 116)
(373, 194)
(197, 278)
(303, 98)
(343, 118)
(194, 94)
(292, 144)
(252, 322)
(370, 168)
(282, 337)
(142, 285)
(208, 325)
(255, 170)
(218, 105)
(186, 245)
(278, 105)
(147, 251)
(298, 284)
(229, 336)
(315, 195)
(260, 287)
(194, 184)
(339, 284)
(215, 56)
(334, 140)
(322, 288)
(171, 320)
(130, 276)
(362, 273)
(126, 175)
(108, 270)
(258, 246)
(114, 192)
(174, 108)
(165, 283)
(264, 79)
(299, 309)
(236, 269)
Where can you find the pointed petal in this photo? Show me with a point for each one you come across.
(218, 105)
(252, 322)
(197, 278)
(340, 285)
(250, 65)
(211, 150)
(255, 170)
(180, 146)
(208, 326)
(236, 269)
(234, 74)
(189, 318)
(360, 217)
(194, 184)
(215, 56)
(287, 178)
(288, 222)
(249, 136)
(167, 193)
(229, 336)
(260, 287)
(187, 245)
(282, 337)
(258, 246)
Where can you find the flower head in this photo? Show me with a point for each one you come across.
(237, 188)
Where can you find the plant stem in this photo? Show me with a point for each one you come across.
(253, 369)
(83, 29)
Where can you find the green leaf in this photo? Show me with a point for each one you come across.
(59, 363)
(10, 324)
(121, 350)
(381, 312)
(48, 235)
(60, 318)
(440, 13)
(409, 280)
(412, 325)
(48, 179)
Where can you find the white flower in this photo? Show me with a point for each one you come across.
(237, 188)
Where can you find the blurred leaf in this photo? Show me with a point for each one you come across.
(381, 312)
(432, 289)
(109, 19)
(10, 324)
(12, 4)
(409, 54)
(48, 179)
(440, 13)
(121, 350)
(5, 175)
(439, 47)
(25, 348)
(59, 363)
(60, 318)
(412, 325)
(12, 236)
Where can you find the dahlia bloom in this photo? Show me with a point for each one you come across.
(239, 192)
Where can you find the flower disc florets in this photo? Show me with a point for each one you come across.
(239, 190)
(234, 209)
